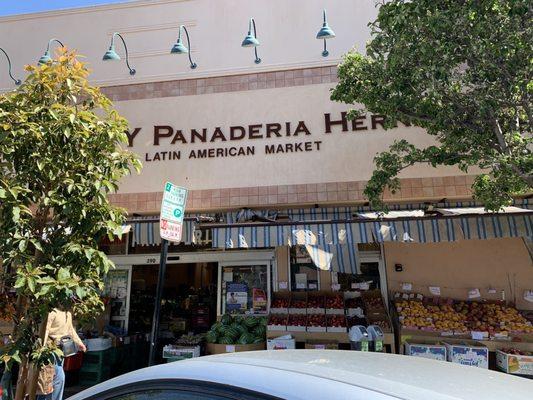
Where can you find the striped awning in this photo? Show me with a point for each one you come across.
(146, 233)
(421, 230)
(333, 245)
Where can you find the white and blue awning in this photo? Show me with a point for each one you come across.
(331, 234)
(146, 232)
(332, 245)
(420, 230)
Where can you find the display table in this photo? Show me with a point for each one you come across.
(524, 343)
(339, 337)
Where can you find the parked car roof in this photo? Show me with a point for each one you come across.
(310, 374)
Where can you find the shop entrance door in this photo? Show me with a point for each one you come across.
(218, 259)
(372, 265)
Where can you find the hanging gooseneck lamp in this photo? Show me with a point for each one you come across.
(17, 81)
(46, 57)
(180, 48)
(112, 55)
(325, 33)
(251, 39)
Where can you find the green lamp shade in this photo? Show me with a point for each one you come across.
(111, 54)
(45, 58)
(179, 48)
(250, 41)
(325, 33)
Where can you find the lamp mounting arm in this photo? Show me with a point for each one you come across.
(52, 41)
(193, 64)
(132, 71)
(17, 81)
(252, 23)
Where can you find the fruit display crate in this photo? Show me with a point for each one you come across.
(493, 345)
(339, 337)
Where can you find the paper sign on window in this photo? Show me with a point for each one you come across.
(434, 290)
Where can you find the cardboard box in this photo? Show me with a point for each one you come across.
(376, 318)
(171, 351)
(276, 327)
(514, 363)
(468, 352)
(281, 343)
(298, 296)
(321, 298)
(335, 310)
(371, 295)
(280, 295)
(322, 345)
(316, 329)
(337, 329)
(433, 350)
(214, 348)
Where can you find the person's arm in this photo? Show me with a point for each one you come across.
(75, 336)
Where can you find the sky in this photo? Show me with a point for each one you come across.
(11, 7)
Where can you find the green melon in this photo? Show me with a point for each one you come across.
(250, 322)
(260, 331)
(226, 319)
(222, 329)
(216, 326)
(239, 328)
(211, 336)
(231, 332)
(226, 340)
(246, 338)
(259, 340)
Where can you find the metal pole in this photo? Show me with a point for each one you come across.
(159, 295)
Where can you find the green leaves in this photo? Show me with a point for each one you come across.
(461, 71)
(61, 154)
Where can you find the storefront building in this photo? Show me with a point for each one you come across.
(274, 169)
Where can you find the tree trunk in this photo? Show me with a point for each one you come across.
(23, 371)
(32, 390)
(22, 380)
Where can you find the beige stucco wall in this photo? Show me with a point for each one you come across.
(342, 156)
(286, 30)
(502, 264)
(336, 174)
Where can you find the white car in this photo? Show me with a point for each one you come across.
(311, 374)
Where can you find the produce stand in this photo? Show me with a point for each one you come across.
(462, 321)
(328, 316)
(329, 336)
(492, 345)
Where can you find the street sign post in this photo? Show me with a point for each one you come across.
(170, 229)
(172, 212)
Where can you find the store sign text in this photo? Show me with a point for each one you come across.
(299, 131)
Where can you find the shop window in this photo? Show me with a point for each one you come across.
(116, 298)
(304, 273)
(244, 289)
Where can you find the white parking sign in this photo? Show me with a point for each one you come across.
(172, 212)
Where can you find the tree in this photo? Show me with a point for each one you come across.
(60, 147)
(462, 71)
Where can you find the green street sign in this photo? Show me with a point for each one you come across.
(172, 212)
